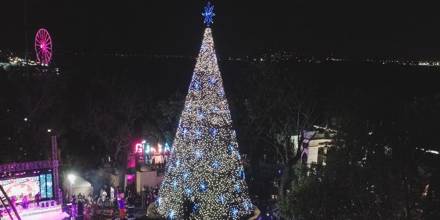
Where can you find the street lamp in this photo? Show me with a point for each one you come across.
(71, 177)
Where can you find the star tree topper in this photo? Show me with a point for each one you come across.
(208, 14)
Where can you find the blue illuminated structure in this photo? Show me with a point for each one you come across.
(208, 14)
(46, 186)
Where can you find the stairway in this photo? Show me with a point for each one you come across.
(5, 201)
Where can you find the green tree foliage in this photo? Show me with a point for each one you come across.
(376, 171)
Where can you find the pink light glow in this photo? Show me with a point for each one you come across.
(130, 178)
(139, 148)
(40, 213)
(131, 163)
(45, 216)
(43, 46)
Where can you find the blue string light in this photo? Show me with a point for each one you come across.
(216, 165)
(188, 192)
(234, 212)
(213, 132)
(195, 208)
(237, 188)
(238, 155)
(203, 186)
(247, 205)
(230, 149)
(198, 133)
(215, 109)
(196, 85)
(200, 114)
(221, 199)
(212, 80)
(198, 154)
(175, 185)
(171, 215)
(184, 132)
(221, 93)
(185, 176)
(241, 174)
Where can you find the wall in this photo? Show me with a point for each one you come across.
(148, 178)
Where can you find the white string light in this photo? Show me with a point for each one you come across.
(205, 166)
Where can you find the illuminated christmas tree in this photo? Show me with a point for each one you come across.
(205, 178)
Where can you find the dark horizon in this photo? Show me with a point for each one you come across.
(300, 110)
(372, 29)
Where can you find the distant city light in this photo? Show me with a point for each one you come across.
(429, 151)
(432, 151)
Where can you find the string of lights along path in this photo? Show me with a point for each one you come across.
(205, 178)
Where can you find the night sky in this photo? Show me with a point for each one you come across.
(346, 28)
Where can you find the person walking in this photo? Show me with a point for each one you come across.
(38, 198)
(121, 206)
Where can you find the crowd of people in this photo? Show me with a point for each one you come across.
(25, 202)
(106, 205)
(149, 195)
(90, 207)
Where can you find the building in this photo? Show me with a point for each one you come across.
(146, 165)
(315, 145)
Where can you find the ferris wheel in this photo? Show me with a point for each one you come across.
(43, 46)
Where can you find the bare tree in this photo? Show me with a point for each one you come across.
(115, 119)
(278, 108)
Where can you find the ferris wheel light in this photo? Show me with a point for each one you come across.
(43, 47)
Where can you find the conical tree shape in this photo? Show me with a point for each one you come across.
(205, 177)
